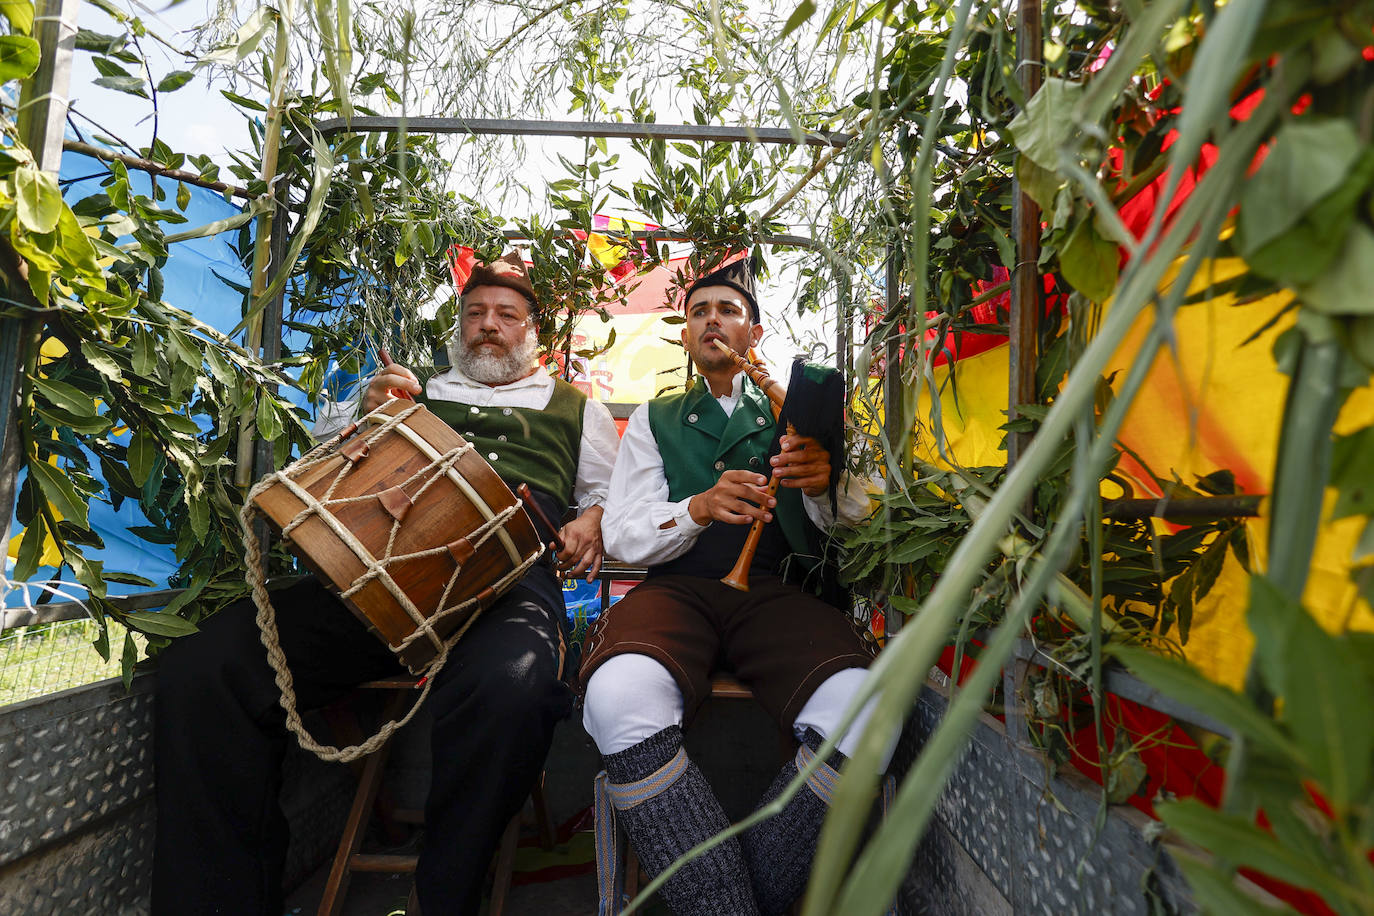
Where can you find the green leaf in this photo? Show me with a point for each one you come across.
(129, 85)
(144, 354)
(20, 15)
(1325, 693)
(68, 397)
(1240, 842)
(76, 249)
(142, 452)
(19, 57)
(175, 80)
(186, 596)
(59, 419)
(1352, 473)
(1041, 184)
(243, 101)
(183, 197)
(101, 643)
(1305, 250)
(101, 361)
(269, 420)
(157, 623)
(1214, 889)
(799, 15)
(38, 201)
(90, 573)
(1046, 124)
(218, 367)
(198, 507)
(1309, 160)
(1187, 685)
(128, 659)
(1347, 287)
(182, 347)
(30, 549)
(1090, 261)
(58, 490)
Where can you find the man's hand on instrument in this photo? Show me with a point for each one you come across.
(738, 498)
(803, 463)
(392, 376)
(582, 545)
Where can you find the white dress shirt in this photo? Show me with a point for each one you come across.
(638, 507)
(600, 442)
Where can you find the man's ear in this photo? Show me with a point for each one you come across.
(755, 335)
(684, 336)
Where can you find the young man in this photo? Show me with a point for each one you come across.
(221, 837)
(690, 479)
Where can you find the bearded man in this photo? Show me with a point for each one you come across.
(221, 736)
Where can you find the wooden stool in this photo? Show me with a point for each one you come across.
(347, 858)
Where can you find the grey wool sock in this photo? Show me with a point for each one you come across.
(671, 808)
(779, 850)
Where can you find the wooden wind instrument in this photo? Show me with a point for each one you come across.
(738, 578)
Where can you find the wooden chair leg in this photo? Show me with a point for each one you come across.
(368, 784)
(542, 818)
(504, 868)
(631, 872)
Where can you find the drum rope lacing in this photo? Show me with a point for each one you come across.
(376, 569)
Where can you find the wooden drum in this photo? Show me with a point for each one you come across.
(407, 523)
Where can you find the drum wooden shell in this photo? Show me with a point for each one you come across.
(444, 514)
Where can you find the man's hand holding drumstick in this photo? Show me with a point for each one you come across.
(394, 381)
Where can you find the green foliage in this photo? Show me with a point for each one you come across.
(1311, 769)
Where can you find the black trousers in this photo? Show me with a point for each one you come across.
(221, 736)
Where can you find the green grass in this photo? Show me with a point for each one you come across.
(44, 658)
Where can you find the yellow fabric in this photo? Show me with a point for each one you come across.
(1209, 403)
(629, 372)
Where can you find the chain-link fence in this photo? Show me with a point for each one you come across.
(44, 658)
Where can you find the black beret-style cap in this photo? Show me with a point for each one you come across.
(738, 275)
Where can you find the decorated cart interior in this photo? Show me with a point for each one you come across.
(1096, 279)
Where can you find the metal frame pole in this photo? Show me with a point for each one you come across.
(892, 387)
(42, 114)
(1026, 288)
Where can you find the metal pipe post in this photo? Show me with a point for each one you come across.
(1025, 283)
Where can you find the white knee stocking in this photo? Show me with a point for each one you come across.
(629, 698)
(824, 709)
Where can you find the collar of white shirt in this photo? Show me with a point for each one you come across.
(729, 402)
(454, 385)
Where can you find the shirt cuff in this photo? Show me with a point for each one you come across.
(681, 514)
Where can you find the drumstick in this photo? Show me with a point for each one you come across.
(385, 356)
(527, 497)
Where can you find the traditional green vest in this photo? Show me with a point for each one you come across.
(699, 443)
(523, 445)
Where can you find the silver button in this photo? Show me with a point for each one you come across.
(473, 410)
(760, 421)
(720, 465)
(491, 456)
(691, 418)
(754, 462)
(500, 438)
(468, 434)
(505, 411)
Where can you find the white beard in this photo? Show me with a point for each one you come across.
(496, 368)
